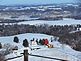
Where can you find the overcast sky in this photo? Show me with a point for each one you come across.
(11, 2)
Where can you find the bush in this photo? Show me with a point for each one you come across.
(16, 39)
(25, 43)
(8, 48)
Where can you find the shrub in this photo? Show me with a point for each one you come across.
(16, 39)
(25, 43)
(8, 48)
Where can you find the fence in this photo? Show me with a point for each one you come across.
(13, 58)
(26, 54)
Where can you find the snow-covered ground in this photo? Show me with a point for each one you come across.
(59, 51)
(65, 21)
(29, 36)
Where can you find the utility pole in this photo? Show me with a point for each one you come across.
(26, 55)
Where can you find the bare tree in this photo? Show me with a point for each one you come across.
(2, 57)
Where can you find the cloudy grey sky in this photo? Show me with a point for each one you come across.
(11, 2)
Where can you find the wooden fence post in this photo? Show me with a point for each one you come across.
(26, 55)
(64, 60)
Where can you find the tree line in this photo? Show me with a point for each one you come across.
(56, 30)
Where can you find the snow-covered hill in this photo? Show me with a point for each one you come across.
(61, 51)
(29, 36)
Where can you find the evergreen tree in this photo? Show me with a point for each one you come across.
(41, 42)
(16, 39)
(25, 43)
(0, 45)
(37, 41)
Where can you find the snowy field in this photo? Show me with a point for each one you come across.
(65, 21)
(59, 50)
